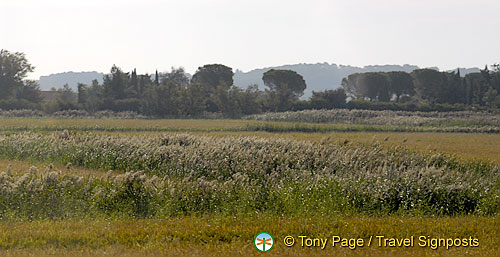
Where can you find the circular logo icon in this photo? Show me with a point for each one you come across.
(263, 242)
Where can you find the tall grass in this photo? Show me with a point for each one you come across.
(399, 118)
(184, 174)
(121, 125)
(26, 113)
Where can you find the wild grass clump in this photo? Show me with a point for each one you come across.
(185, 174)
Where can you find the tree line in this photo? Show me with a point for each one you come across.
(169, 94)
(211, 90)
(173, 94)
(15, 91)
(427, 86)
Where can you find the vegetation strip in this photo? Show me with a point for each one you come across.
(275, 128)
(216, 229)
(185, 174)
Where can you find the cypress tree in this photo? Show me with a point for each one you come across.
(133, 80)
(157, 80)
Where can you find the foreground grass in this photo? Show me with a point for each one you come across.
(233, 236)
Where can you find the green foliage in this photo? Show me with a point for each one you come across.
(251, 100)
(492, 98)
(375, 86)
(401, 83)
(114, 86)
(328, 99)
(285, 87)
(431, 85)
(171, 94)
(18, 104)
(424, 89)
(65, 99)
(90, 98)
(13, 70)
(482, 88)
(213, 75)
(15, 91)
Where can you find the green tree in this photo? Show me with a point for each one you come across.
(250, 100)
(210, 87)
(115, 84)
(144, 83)
(495, 77)
(91, 97)
(134, 82)
(167, 94)
(65, 99)
(66, 95)
(150, 102)
(455, 89)
(431, 85)
(225, 101)
(118, 95)
(285, 87)
(375, 85)
(351, 85)
(30, 91)
(492, 98)
(476, 87)
(13, 70)
(157, 78)
(176, 76)
(328, 99)
(401, 83)
(194, 100)
(372, 85)
(214, 75)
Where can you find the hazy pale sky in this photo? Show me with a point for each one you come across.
(92, 35)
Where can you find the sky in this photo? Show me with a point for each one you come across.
(92, 35)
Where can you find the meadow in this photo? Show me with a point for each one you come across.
(128, 187)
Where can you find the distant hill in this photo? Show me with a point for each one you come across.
(71, 78)
(319, 76)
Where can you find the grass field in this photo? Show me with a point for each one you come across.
(214, 148)
(472, 146)
(127, 125)
(232, 236)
